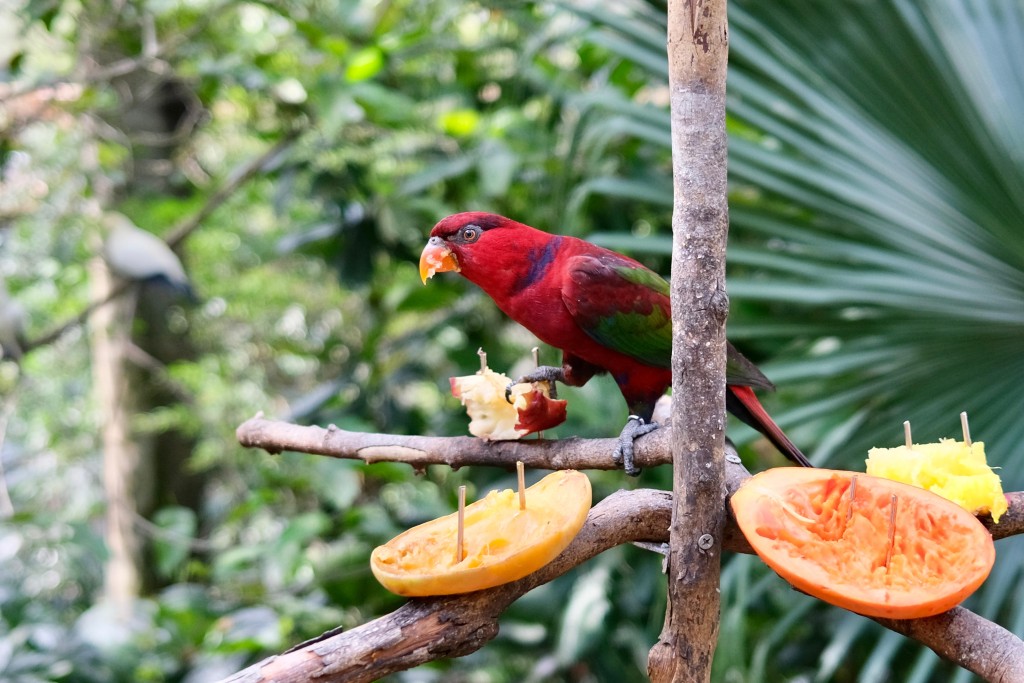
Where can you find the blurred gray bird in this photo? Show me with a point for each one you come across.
(140, 256)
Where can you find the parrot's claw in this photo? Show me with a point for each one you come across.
(543, 373)
(660, 548)
(623, 455)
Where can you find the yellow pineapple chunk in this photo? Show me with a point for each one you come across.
(952, 469)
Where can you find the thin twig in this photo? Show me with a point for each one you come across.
(151, 59)
(61, 329)
(238, 177)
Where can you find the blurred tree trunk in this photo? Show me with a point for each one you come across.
(156, 112)
(122, 461)
(110, 335)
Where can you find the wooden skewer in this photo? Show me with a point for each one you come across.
(535, 352)
(966, 428)
(853, 497)
(483, 358)
(894, 501)
(522, 484)
(906, 433)
(460, 552)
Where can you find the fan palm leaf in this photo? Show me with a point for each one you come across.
(877, 246)
(887, 205)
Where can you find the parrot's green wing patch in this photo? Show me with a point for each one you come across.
(621, 305)
(644, 278)
(625, 306)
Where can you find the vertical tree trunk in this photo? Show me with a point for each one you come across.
(110, 334)
(156, 113)
(121, 461)
(697, 56)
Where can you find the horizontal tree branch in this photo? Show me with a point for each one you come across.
(968, 640)
(275, 436)
(426, 629)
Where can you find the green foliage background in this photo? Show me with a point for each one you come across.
(876, 272)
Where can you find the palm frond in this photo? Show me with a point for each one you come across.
(877, 248)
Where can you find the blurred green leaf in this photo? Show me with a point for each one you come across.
(460, 122)
(583, 618)
(364, 64)
(173, 545)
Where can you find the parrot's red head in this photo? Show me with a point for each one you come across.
(474, 244)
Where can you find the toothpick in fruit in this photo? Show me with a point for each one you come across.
(853, 498)
(892, 530)
(460, 553)
(966, 428)
(522, 484)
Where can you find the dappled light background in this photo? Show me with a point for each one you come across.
(876, 272)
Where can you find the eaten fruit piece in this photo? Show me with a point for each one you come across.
(953, 469)
(502, 542)
(871, 545)
(492, 417)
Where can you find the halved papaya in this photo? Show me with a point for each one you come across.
(871, 545)
(502, 543)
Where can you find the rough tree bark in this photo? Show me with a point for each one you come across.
(435, 628)
(425, 629)
(697, 60)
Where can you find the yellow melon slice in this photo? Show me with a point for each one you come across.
(502, 543)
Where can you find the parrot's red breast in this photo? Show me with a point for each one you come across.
(537, 280)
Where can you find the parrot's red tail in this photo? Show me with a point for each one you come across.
(741, 402)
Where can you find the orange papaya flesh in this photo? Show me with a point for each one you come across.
(842, 542)
(502, 543)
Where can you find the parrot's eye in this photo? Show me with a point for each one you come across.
(470, 233)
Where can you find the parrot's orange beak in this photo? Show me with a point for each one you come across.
(436, 258)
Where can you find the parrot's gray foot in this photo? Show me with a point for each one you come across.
(623, 455)
(543, 373)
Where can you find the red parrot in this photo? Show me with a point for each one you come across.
(605, 311)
